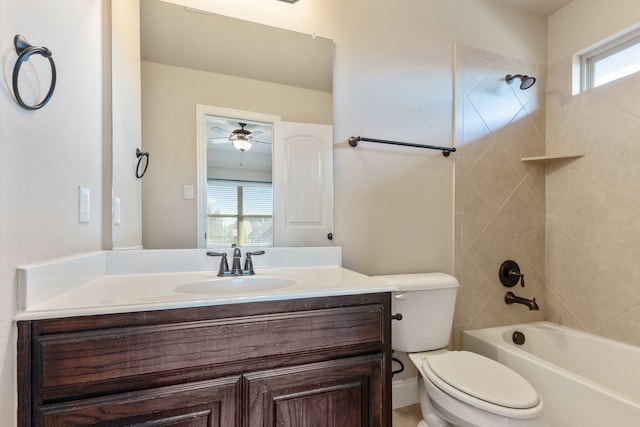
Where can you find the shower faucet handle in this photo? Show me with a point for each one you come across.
(509, 274)
(517, 275)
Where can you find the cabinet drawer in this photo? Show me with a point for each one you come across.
(85, 359)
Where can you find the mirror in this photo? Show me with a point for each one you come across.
(190, 58)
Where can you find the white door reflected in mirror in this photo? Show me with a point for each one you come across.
(303, 183)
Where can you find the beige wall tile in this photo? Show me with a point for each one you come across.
(558, 312)
(593, 206)
(594, 295)
(621, 254)
(500, 200)
(624, 329)
(494, 177)
(562, 253)
(584, 207)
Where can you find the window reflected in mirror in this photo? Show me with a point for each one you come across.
(239, 212)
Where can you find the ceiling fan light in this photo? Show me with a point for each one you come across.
(238, 134)
(241, 144)
(241, 138)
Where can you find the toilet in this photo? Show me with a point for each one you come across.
(456, 388)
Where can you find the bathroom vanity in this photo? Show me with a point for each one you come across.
(285, 363)
(289, 360)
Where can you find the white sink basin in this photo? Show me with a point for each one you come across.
(236, 285)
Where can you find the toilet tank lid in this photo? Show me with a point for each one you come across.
(420, 281)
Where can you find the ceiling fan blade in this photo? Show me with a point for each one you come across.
(218, 132)
(262, 142)
(224, 140)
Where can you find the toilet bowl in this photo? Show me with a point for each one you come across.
(467, 389)
(456, 388)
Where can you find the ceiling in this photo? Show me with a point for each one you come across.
(184, 37)
(539, 7)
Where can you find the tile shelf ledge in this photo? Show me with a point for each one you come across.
(542, 159)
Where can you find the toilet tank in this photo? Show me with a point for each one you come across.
(427, 302)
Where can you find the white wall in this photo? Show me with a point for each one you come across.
(393, 80)
(46, 154)
(598, 20)
(495, 27)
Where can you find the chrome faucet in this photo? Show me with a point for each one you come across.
(511, 298)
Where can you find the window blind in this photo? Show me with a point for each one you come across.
(239, 212)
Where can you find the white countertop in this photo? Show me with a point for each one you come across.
(83, 286)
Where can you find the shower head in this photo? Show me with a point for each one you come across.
(525, 81)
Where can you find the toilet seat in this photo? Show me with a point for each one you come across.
(483, 383)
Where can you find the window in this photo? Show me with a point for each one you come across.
(611, 61)
(239, 212)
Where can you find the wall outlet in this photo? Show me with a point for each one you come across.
(189, 192)
(84, 204)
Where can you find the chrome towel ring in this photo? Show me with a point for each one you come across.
(24, 51)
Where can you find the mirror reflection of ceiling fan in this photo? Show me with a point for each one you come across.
(242, 139)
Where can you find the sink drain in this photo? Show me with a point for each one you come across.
(518, 338)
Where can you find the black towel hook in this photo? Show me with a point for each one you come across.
(24, 51)
(140, 155)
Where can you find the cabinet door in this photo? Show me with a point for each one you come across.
(202, 404)
(340, 393)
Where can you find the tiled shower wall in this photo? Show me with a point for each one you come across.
(593, 206)
(500, 200)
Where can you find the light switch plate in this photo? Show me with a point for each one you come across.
(116, 211)
(84, 204)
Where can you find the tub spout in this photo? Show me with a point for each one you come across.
(511, 298)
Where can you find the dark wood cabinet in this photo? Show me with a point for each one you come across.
(204, 403)
(339, 393)
(296, 363)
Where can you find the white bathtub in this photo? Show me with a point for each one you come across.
(584, 380)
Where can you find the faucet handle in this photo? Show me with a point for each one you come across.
(248, 263)
(224, 265)
(509, 274)
(517, 275)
